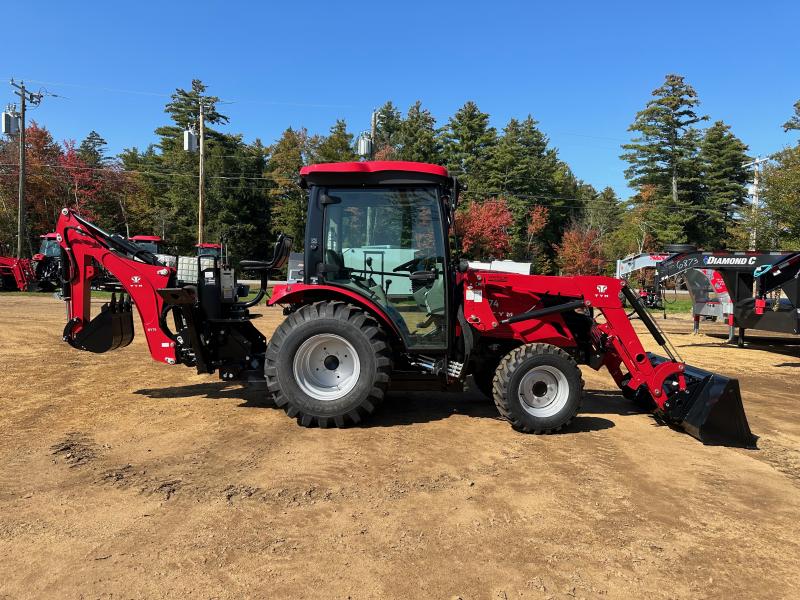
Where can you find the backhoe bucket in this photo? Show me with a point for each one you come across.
(109, 330)
(710, 409)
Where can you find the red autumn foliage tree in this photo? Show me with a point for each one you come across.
(580, 251)
(537, 221)
(84, 189)
(483, 228)
(44, 192)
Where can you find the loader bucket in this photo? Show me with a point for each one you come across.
(109, 330)
(710, 409)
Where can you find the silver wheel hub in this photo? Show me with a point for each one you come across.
(544, 391)
(326, 367)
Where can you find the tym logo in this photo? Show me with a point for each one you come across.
(601, 289)
(729, 260)
(135, 279)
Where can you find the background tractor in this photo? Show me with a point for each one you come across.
(383, 301)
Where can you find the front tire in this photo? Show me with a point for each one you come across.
(538, 388)
(328, 364)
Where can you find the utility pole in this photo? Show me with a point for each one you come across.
(201, 189)
(373, 132)
(755, 198)
(34, 98)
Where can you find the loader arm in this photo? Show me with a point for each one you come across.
(85, 247)
(706, 405)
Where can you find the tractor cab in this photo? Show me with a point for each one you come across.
(49, 247)
(150, 243)
(382, 235)
(209, 249)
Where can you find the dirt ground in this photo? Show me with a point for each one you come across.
(123, 478)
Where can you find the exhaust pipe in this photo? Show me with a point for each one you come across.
(710, 409)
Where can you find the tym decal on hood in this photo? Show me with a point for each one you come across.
(729, 260)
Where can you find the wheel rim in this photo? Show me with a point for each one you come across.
(326, 367)
(544, 391)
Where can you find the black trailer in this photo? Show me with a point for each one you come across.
(770, 311)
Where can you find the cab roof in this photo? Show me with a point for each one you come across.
(146, 238)
(208, 245)
(375, 166)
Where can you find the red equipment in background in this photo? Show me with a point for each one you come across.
(16, 274)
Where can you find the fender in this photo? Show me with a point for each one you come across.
(302, 293)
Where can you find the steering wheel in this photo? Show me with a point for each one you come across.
(407, 266)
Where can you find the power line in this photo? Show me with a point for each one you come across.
(165, 95)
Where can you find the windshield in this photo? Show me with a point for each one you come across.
(387, 244)
(148, 246)
(50, 247)
(208, 252)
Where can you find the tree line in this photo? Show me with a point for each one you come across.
(521, 200)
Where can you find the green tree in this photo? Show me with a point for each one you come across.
(337, 146)
(722, 158)
(603, 212)
(779, 223)
(387, 129)
(467, 140)
(416, 139)
(664, 154)
(93, 150)
(523, 167)
(287, 199)
(794, 121)
(166, 180)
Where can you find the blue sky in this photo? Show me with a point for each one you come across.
(582, 69)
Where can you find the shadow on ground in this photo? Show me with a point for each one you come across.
(214, 390)
(785, 346)
(409, 408)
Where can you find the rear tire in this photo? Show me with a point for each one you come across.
(328, 364)
(538, 388)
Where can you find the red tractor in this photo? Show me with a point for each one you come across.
(384, 302)
(151, 243)
(47, 263)
(16, 274)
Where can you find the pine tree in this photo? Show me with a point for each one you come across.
(387, 129)
(287, 199)
(337, 146)
(522, 168)
(167, 182)
(92, 150)
(467, 140)
(722, 157)
(416, 139)
(794, 121)
(665, 153)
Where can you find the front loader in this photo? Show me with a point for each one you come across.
(382, 302)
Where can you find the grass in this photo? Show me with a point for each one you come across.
(679, 305)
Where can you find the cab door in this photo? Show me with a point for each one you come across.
(387, 244)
